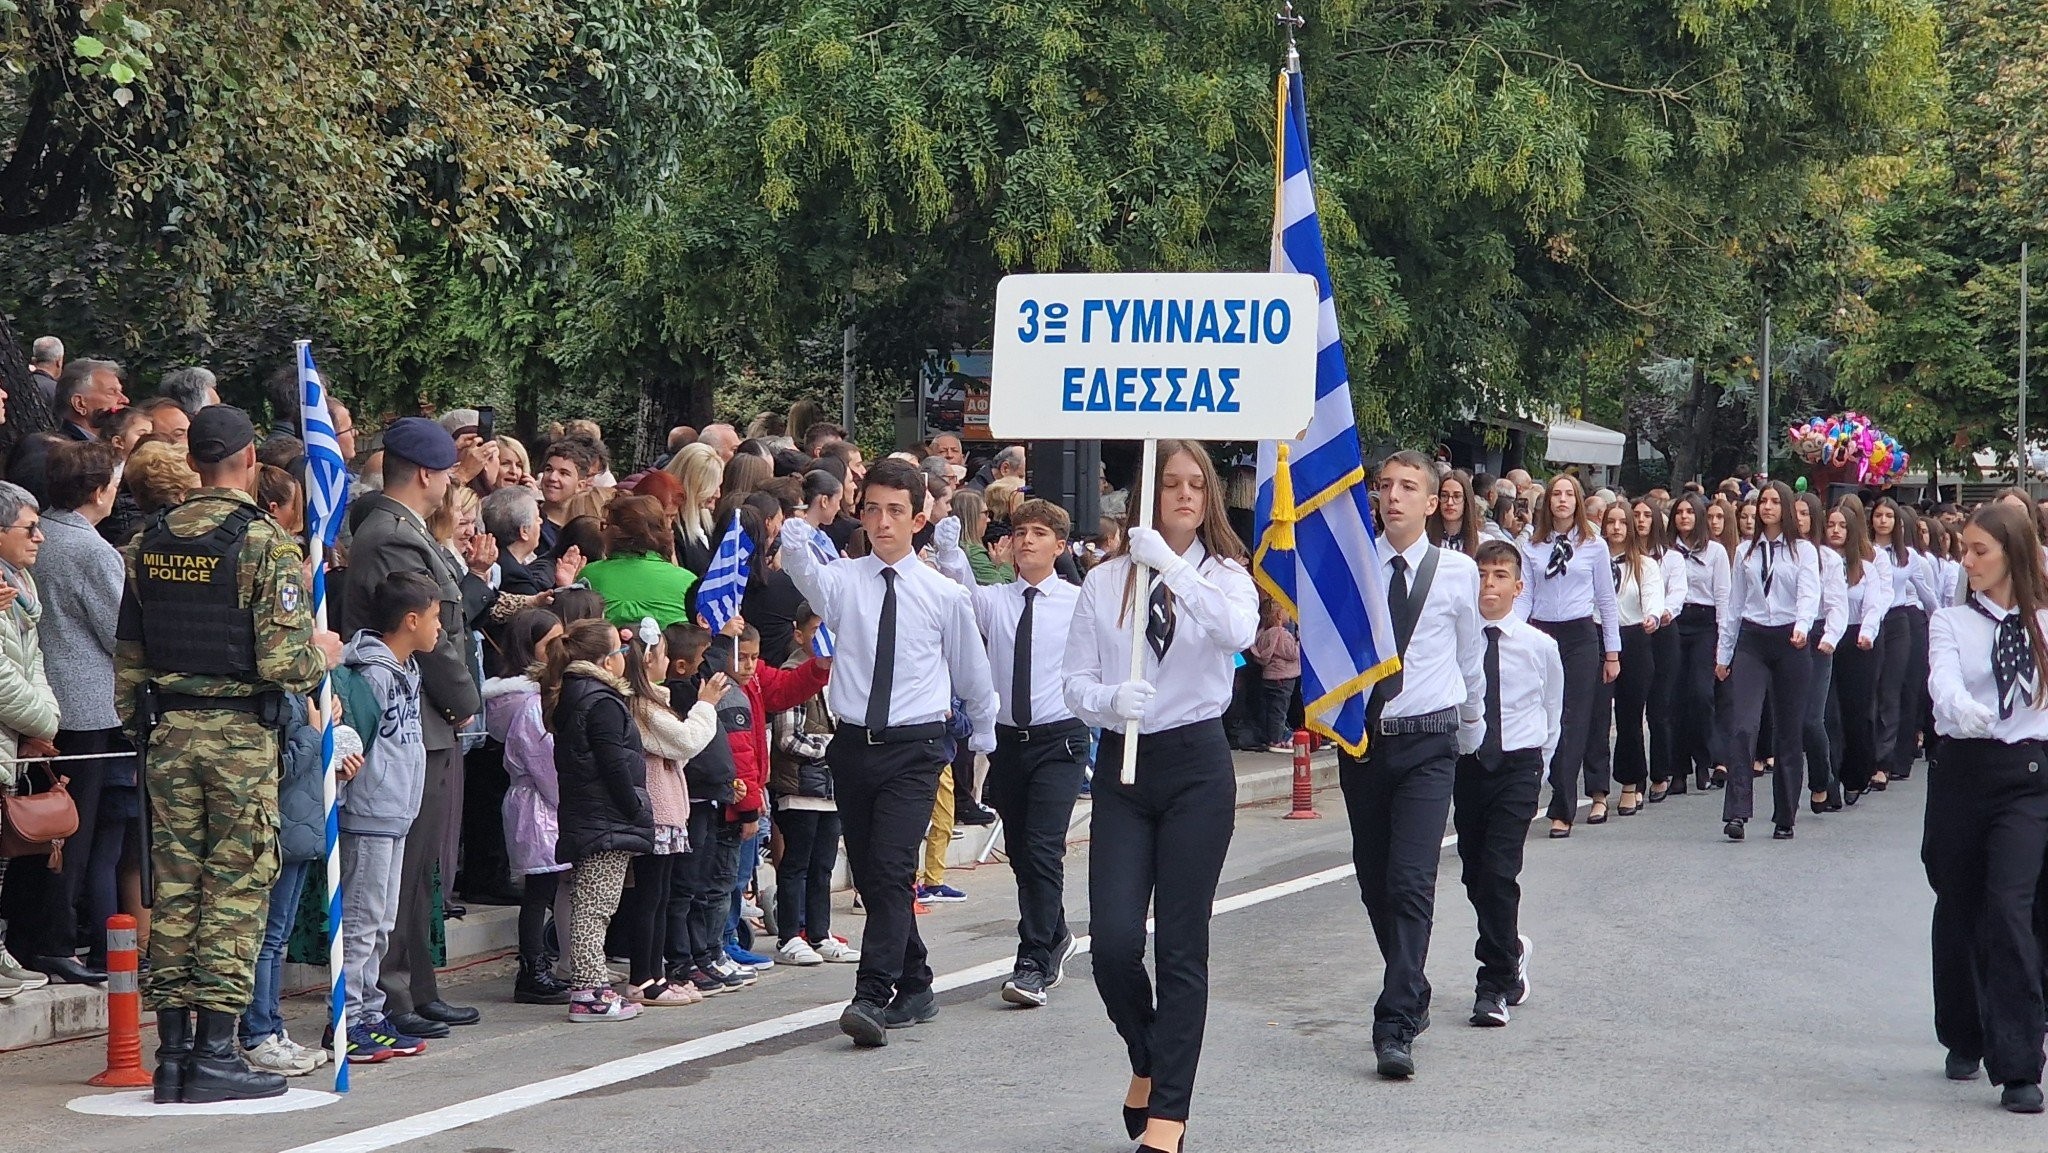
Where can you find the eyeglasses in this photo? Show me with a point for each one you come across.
(33, 528)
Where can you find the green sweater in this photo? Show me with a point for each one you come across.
(986, 570)
(641, 585)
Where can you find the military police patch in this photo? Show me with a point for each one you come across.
(288, 596)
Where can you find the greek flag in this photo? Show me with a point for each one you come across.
(1315, 552)
(822, 644)
(725, 583)
(326, 471)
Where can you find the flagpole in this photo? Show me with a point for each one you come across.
(316, 550)
(1141, 599)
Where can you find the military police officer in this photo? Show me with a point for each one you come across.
(215, 628)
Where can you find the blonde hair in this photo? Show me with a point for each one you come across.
(703, 475)
(1002, 497)
(510, 447)
(158, 475)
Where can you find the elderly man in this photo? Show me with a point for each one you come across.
(168, 422)
(1008, 462)
(45, 361)
(722, 437)
(87, 390)
(512, 516)
(947, 445)
(192, 388)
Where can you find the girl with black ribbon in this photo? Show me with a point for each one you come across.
(1773, 601)
(1706, 571)
(1987, 808)
(1868, 572)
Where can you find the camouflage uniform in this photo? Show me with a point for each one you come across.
(212, 775)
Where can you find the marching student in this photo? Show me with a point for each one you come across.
(1707, 575)
(905, 647)
(1987, 808)
(1418, 721)
(1639, 599)
(1160, 841)
(1565, 583)
(1773, 600)
(1035, 773)
(1833, 625)
(1497, 785)
(1457, 523)
(1868, 573)
(1653, 535)
(1891, 529)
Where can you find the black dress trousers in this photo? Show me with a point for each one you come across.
(1855, 688)
(1491, 810)
(1663, 704)
(1694, 730)
(885, 794)
(1032, 784)
(1766, 663)
(1398, 798)
(1579, 648)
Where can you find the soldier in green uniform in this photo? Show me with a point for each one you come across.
(215, 628)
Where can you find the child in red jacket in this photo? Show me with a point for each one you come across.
(769, 691)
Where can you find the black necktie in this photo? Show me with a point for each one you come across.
(1159, 619)
(1397, 592)
(1560, 556)
(2012, 660)
(885, 657)
(1020, 671)
(1770, 546)
(1389, 686)
(1690, 555)
(1489, 749)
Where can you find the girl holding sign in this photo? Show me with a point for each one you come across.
(1161, 840)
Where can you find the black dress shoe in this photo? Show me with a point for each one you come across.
(1396, 1058)
(1781, 833)
(448, 1014)
(973, 814)
(69, 971)
(1733, 829)
(414, 1025)
(2021, 1097)
(863, 1022)
(1960, 1068)
(455, 912)
(1134, 1121)
(915, 1009)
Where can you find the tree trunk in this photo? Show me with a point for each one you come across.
(1700, 403)
(27, 411)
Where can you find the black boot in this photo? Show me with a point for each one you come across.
(173, 1049)
(537, 985)
(216, 1071)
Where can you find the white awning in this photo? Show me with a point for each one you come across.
(1579, 442)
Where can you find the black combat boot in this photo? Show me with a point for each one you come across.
(173, 1050)
(216, 1071)
(537, 984)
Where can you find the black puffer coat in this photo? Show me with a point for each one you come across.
(602, 772)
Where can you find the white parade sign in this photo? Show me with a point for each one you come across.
(1150, 355)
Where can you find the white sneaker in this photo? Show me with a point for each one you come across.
(9, 987)
(13, 970)
(797, 951)
(273, 1055)
(1520, 992)
(317, 1056)
(836, 951)
(750, 910)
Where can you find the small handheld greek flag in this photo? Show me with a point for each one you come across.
(725, 583)
(326, 471)
(822, 644)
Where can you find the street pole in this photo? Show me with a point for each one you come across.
(2020, 441)
(1763, 410)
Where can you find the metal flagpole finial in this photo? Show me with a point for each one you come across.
(1291, 21)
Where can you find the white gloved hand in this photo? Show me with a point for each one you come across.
(1150, 549)
(1973, 719)
(1471, 735)
(982, 742)
(1132, 699)
(796, 533)
(946, 536)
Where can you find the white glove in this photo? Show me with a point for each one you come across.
(796, 533)
(1132, 699)
(1973, 719)
(1471, 735)
(946, 536)
(1150, 549)
(982, 742)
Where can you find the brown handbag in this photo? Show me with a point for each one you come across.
(39, 822)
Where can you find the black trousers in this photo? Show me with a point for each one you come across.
(408, 978)
(1631, 692)
(803, 883)
(536, 899)
(1820, 757)
(1856, 696)
(42, 906)
(1663, 703)
(1398, 798)
(1986, 832)
(885, 795)
(1766, 663)
(1694, 728)
(1160, 841)
(1032, 786)
(700, 889)
(1579, 647)
(1918, 703)
(1894, 690)
(1491, 810)
(643, 907)
(486, 868)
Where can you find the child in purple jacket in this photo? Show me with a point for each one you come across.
(512, 716)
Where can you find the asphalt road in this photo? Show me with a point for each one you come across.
(1689, 994)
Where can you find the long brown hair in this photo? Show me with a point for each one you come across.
(1469, 525)
(1816, 524)
(1214, 532)
(1788, 520)
(591, 640)
(1897, 543)
(1697, 539)
(1581, 527)
(1631, 548)
(1657, 539)
(2015, 534)
(1730, 535)
(1856, 548)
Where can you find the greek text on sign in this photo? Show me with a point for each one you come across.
(1140, 355)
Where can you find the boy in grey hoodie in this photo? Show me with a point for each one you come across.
(380, 800)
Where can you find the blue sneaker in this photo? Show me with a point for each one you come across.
(382, 1032)
(940, 895)
(748, 958)
(364, 1049)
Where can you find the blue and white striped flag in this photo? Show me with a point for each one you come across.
(1316, 552)
(725, 582)
(326, 471)
(822, 644)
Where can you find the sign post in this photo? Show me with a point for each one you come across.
(1147, 356)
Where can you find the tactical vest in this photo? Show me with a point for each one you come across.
(192, 617)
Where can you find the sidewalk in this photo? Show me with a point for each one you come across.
(68, 1012)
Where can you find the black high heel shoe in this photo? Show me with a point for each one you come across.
(1134, 1121)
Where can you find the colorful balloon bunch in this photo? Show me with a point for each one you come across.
(1849, 440)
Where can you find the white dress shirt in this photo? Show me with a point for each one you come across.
(1216, 617)
(1954, 589)
(1959, 641)
(1531, 688)
(1707, 575)
(1673, 565)
(1641, 596)
(1444, 665)
(1913, 582)
(939, 654)
(1584, 589)
(1871, 597)
(997, 609)
(1793, 598)
(1834, 597)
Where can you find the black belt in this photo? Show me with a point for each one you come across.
(1440, 721)
(895, 734)
(1045, 732)
(262, 704)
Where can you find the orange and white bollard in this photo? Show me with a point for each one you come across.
(1304, 808)
(124, 1009)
